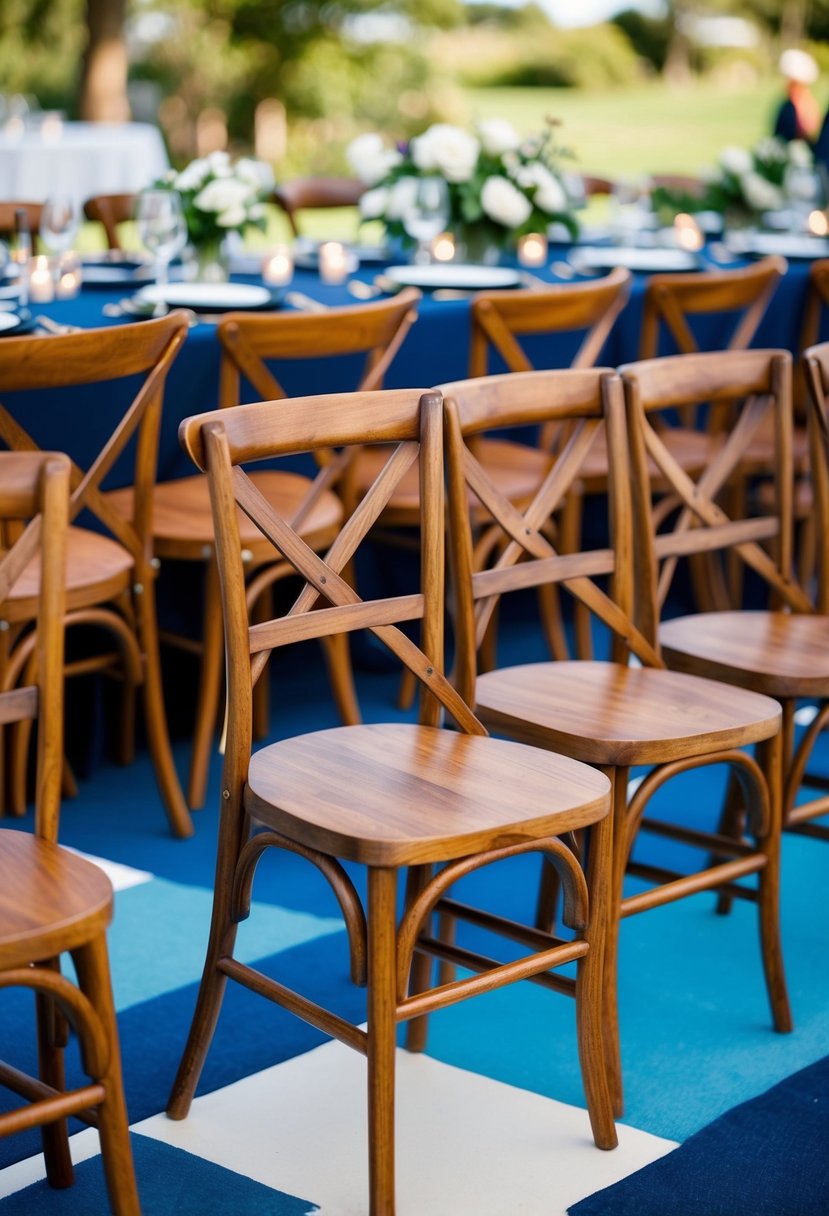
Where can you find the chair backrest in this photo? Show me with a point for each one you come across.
(499, 318)
(671, 299)
(8, 217)
(110, 210)
(755, 387)
(310, 193)
(580, 404)
(816, 372)
(220, 442)
(34, 497)
(127, 353)
(374, 330)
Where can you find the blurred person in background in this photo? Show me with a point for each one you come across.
(798, 117)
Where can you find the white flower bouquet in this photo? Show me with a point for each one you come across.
(746, 181)
(500, 186)
(219, 197)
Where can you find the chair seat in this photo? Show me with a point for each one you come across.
(183, 522)
(401, 794)
(777, 653)
(51, 900)
(97, 569)
(604, 713)
(692, 450)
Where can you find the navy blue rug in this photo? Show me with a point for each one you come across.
(766, 1157)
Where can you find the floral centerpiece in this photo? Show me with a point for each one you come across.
(499, 185)
(745, 182)
(219, 197)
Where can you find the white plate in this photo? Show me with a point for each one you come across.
(787, 244)
(454, 274)
(9, 320)
(205, 295)
(606, 257)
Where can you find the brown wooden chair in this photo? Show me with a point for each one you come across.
(51, 901)
(774, 643)
(441, 802)
(8, 219)
(110, 572)
(315, 193)
(110, 210)
(182, 524)
(608, 713)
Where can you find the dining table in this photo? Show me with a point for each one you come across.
(434, 352)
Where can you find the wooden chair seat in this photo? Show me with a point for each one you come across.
(432, 794)
(183, 522)
(692, 450)
(98, 569)
(51, 900)
(605, 713)
(781, 654)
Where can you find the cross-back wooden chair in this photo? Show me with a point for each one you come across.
(182, 524)
(51, 900)
(605, 712)
(110, 210)
(773, 642)
(111, 571)
(316, 193)
(442, 803)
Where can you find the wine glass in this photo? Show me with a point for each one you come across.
(426, 213)
(59, 223)
(805, 191)
(162, 228)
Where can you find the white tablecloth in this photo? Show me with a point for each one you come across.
(80, 158)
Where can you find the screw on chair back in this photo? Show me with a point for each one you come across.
(52, 901)
(315, 193)
(110, 210)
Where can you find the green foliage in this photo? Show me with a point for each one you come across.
(580, 58)
(648, 36)
(41, 44)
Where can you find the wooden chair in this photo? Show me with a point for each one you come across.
(389, 796)
(52, 901)
(110, 210)
(315, 193)
(8, 218)
(607, 713)
(774, 643)
(111, 571)
(182, 524)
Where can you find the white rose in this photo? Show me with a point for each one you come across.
(447, 150)
(400, 198)
(370, 159)
(256, 173)
(504, 202)
(233, 217)
(223, 194)
(219, 164)
(549, 194)
(736, 161)
(497, 136)
(760, 194)
(374, 203)
(800, 154)
(193, 176)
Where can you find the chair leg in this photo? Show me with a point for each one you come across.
(590, 1014)
(769, 880)
(382, 1025)
(422, 965)
(548, 889)
(210, 683)
(731, 824)
(341, 677)
(92, 965)
(612, 1047)
(54, 1136)
(155, 715)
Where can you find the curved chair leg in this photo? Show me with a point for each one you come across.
(382, 1025)
(769, 880)
(210, 683)
(612, 1048)
(731, 824)
(421, 971)
(54, 1136)
(156, 718)
(591, 1016)
(92, 965)
(548, 889)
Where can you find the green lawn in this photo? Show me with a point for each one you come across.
(647, 129)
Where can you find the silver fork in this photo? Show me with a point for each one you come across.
(55, 327)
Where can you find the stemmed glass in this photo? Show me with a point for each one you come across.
(59, 223)
(806, 192)
(426, 213)
(162, 228)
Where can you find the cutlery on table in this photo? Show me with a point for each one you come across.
(299, 300)
(55, 327)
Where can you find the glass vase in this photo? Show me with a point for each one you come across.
(211, 262)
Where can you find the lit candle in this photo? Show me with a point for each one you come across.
(532, 249)
(41, 281)
(443, 247)
(818, 223)
(688, 232)
(333, 262)
(69, 277)
(278, 266)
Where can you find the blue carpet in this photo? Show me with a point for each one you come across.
(767, 1157)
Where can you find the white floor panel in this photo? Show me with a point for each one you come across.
(465, 1143)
